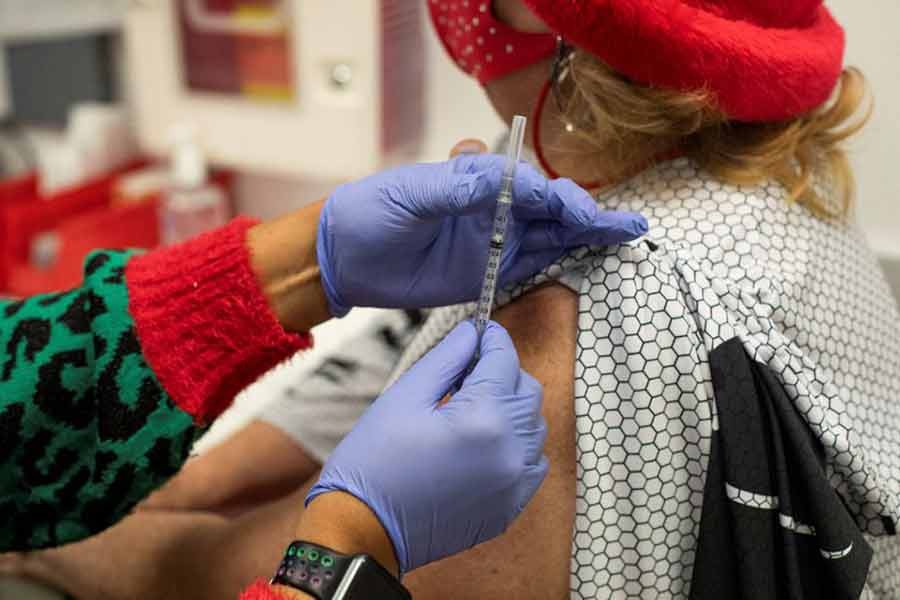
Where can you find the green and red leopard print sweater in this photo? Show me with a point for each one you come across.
(104, 388)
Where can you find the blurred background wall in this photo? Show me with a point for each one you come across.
(456, 108)
(873, 33)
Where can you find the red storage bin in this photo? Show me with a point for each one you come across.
(20, 189)
(82, 219)
(113, 227)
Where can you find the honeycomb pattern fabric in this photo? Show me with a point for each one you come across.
(806, 299)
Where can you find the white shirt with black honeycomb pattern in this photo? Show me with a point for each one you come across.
(804, 295)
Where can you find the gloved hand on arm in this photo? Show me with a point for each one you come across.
(443, 477)
(416, 236)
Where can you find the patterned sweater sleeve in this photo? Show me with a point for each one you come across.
(104, 388)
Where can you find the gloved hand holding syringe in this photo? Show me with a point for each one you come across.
(424, 227)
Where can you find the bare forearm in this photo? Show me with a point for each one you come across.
(283, 255)
(238, 474)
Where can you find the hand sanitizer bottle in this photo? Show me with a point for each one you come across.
(192, 204)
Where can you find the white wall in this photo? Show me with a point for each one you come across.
(874, 46)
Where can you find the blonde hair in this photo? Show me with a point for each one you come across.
(619, 124)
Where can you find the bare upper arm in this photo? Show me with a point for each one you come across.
(531, 560)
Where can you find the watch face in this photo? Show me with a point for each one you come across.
(312, 569)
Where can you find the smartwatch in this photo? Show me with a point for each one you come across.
(328, 575)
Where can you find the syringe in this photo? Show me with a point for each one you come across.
(501, 221)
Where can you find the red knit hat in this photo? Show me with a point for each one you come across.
(765, 60)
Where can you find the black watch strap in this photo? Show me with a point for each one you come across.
(328, 575)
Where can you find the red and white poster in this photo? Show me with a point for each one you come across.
(240, 48)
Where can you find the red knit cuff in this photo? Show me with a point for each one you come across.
(261, 590)
(204, 325)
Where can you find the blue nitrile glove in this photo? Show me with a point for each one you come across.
(443, 478)
(417, 236)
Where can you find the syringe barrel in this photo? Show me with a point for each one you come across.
(501, 222)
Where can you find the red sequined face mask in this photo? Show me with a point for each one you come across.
(481, 45)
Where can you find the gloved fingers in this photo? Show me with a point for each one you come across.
(607, 228)
(467, 195)
(471, 184)
(430, 191)
(537, 198)
(532, 478)
(562, 201)
(530, 396)
(499, 362)
(529, 186)
(431, 378)
(535, 439)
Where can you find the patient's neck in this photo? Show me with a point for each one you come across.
(574, 154)
(601, 166)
